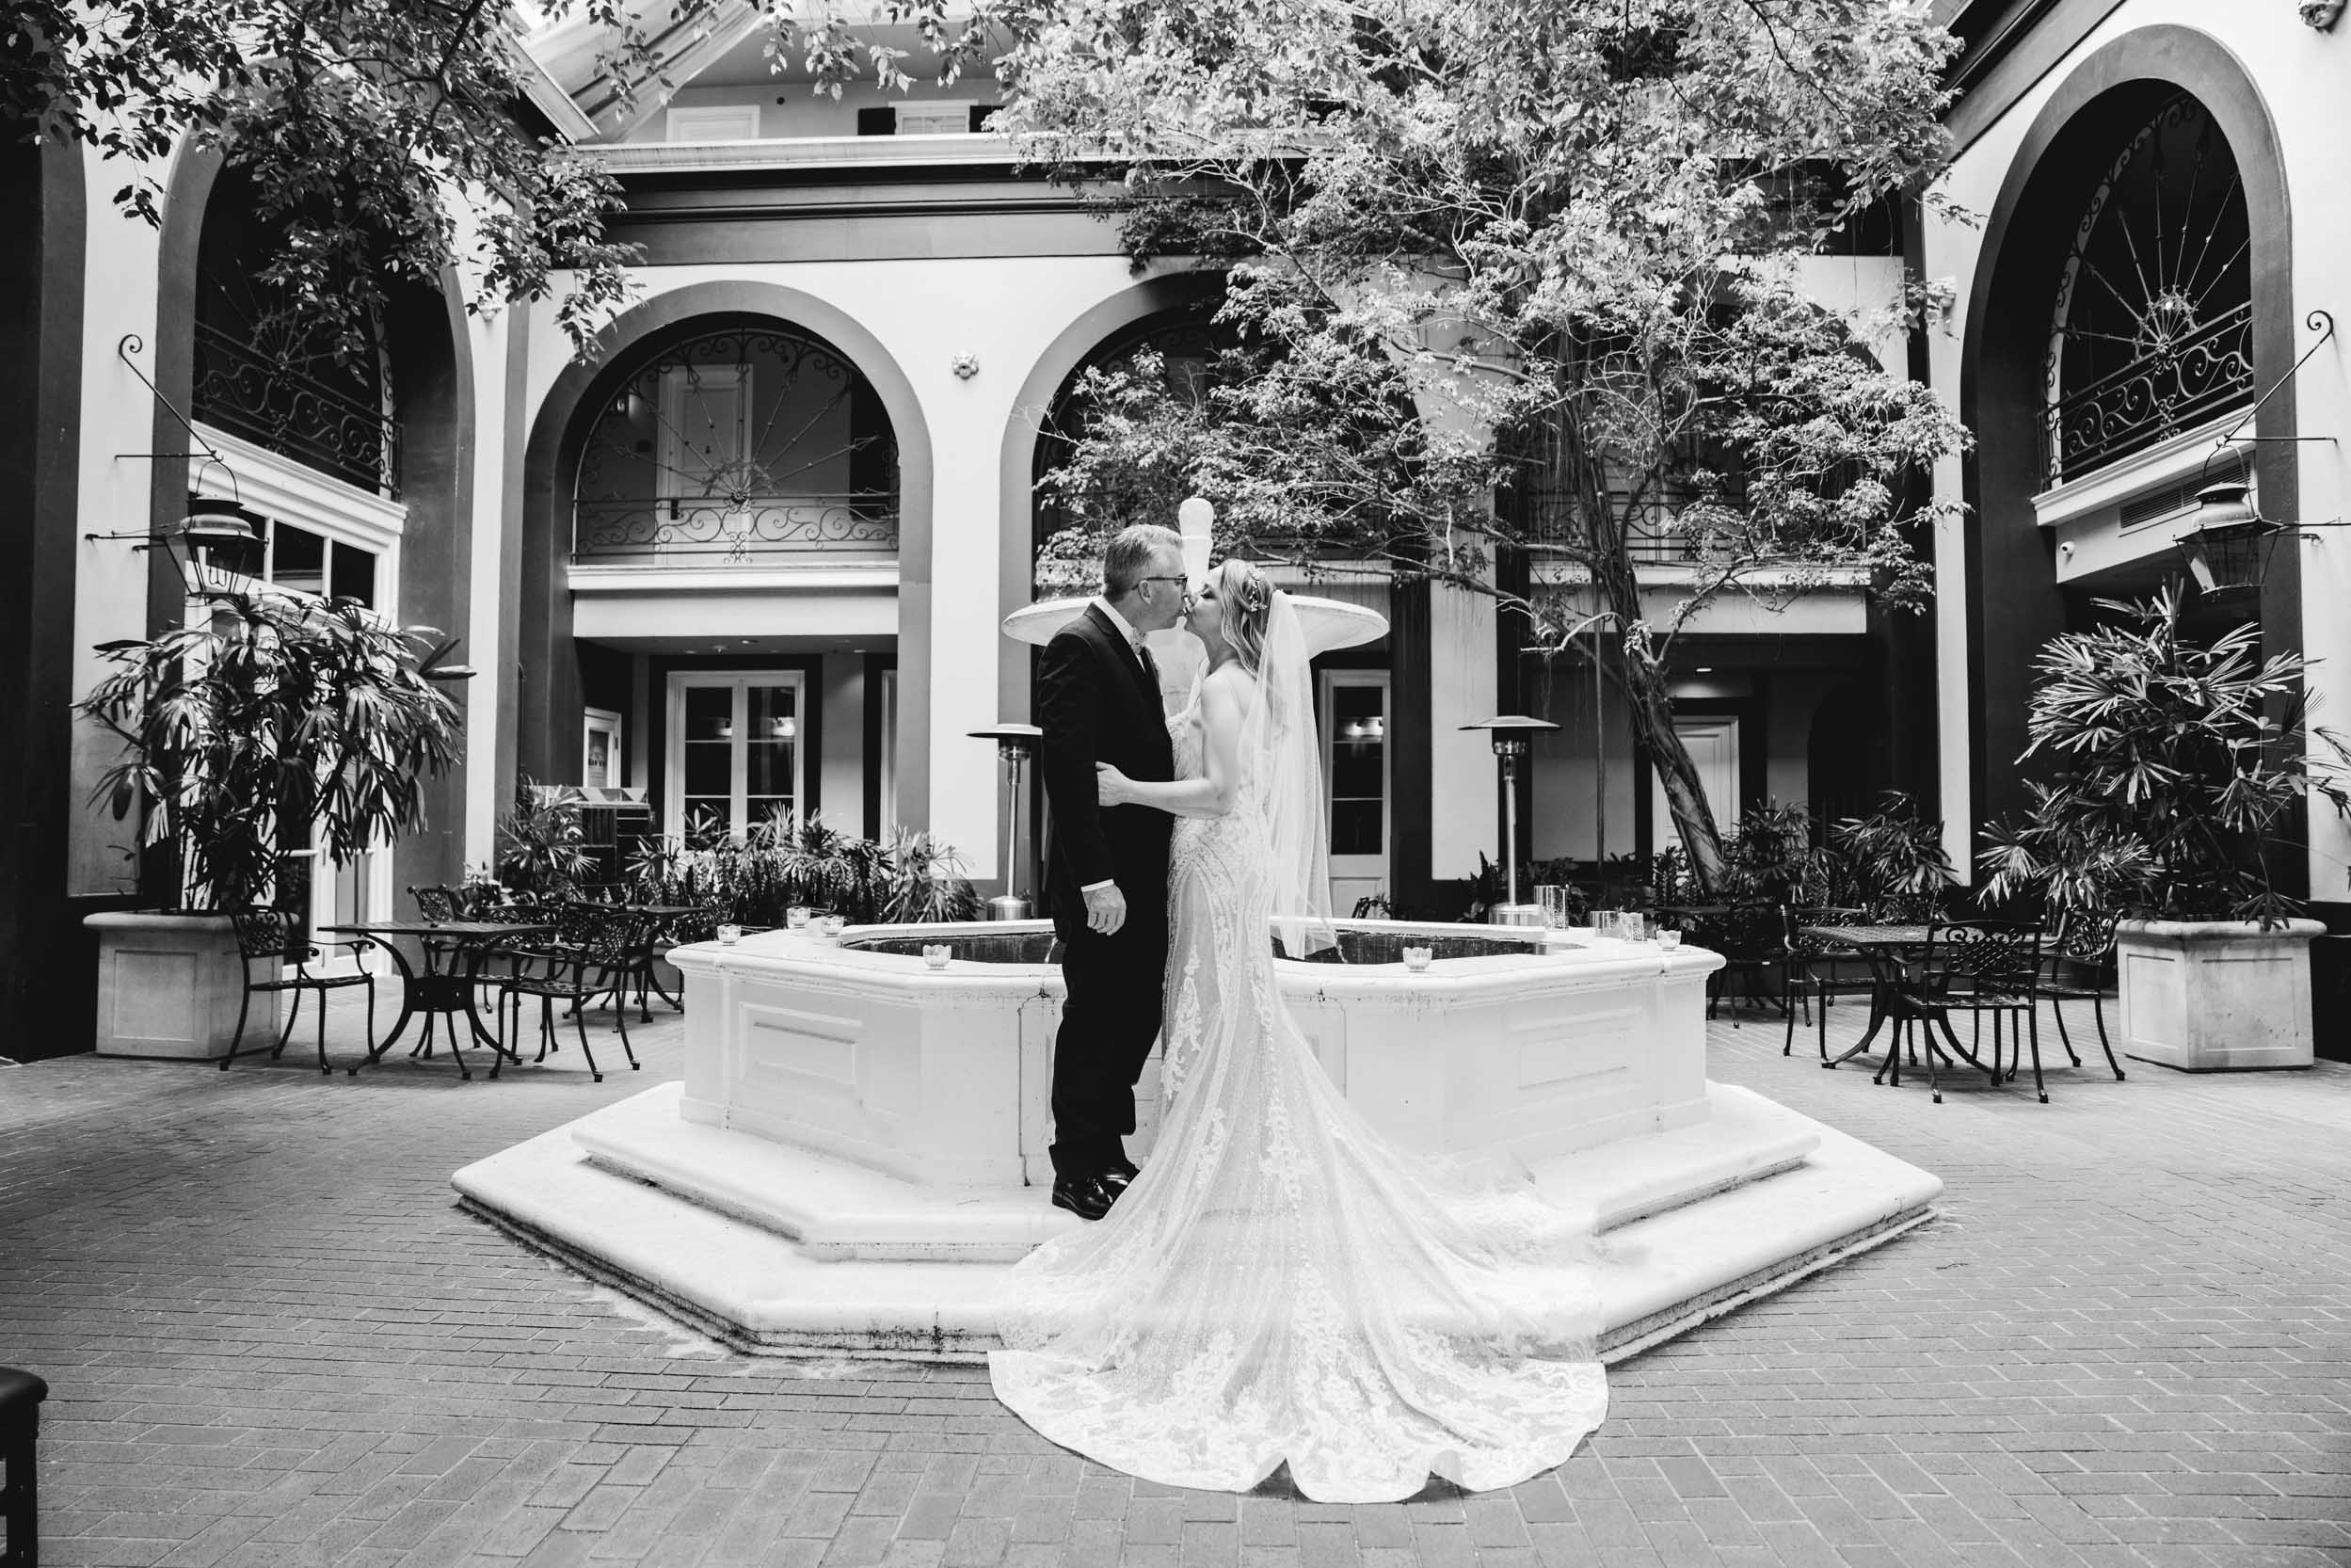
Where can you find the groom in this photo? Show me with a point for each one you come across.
(1105, 869)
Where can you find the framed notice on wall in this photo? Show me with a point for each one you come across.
(601, 764)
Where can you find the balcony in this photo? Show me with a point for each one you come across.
(250, 394)
(719, 532)
(2149, 400)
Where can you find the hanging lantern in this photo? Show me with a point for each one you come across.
(2228, 544)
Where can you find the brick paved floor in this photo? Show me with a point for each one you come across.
(272, 1338)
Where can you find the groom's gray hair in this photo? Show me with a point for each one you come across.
(1129, 556)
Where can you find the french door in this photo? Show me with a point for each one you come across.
(734, 751)
(1355, 706)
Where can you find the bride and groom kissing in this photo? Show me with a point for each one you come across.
(1280, 1284)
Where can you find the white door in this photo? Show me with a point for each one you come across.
(1713, 745)
(1356, 772)
(734, 751)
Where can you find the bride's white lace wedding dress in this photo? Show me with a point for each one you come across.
(1281, 1283)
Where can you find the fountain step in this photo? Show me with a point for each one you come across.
(837, 1209)
(1693, 1230)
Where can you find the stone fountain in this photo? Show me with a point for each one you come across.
(858, 1151)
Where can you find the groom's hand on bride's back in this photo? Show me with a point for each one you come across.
(1106, 909)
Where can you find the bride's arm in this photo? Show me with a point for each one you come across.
(1211, 793)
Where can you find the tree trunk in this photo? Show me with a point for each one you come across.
(1653, 722)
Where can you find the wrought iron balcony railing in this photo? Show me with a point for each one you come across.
(247, 393)
(707, 531)
(2150, 399)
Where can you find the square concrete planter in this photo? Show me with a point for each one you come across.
(2215, 996)
(169, 985)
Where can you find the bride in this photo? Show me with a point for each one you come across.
(1281, 1284)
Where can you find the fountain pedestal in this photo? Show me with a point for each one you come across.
(857, 1150)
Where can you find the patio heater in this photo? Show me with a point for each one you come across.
(1013, 743)
(1512, 734)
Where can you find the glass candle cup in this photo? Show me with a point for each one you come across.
(1668, 939)
(831, 925)
(729, 934)
(796, 917)
(1416, 959)
(936, 955)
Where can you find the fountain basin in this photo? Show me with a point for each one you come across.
(1515, 1042)
(857, 1152)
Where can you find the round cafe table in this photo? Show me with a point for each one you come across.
(434, 991)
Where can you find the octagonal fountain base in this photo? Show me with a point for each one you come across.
(858, 1151)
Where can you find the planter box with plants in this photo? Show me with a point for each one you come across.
(2178, 766)
(275, 711)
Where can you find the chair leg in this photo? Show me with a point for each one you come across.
(1788, 1047)
(287, 1034)
(620, 1016)
(579, 1021)
(324, 1066)
(2032, 1036)
(2098, 1014)
(370, 1015)
(2056, 1011)
(1934, 1075)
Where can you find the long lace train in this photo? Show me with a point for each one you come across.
(1282, 1284)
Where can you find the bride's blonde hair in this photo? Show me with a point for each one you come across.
(1247, 599)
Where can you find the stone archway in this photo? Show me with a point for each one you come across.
(432, 375)
(2013, 604)
(548, 681)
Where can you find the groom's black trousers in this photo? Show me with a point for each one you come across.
(1108, 1023)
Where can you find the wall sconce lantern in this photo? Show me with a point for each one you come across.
(2227, 549)
(215, 545)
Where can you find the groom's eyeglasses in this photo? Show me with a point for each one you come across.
(1186, 582)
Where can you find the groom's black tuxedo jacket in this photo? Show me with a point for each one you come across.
(1096, 703)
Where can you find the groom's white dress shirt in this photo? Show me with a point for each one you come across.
(1135, 640)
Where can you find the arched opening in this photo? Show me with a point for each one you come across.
(2152, 327)
(351, 450)
(738, 442)
(1183, 340)
(711, 450)
(2136, 289)
(1182, 343)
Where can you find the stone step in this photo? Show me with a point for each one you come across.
(1699, 1225)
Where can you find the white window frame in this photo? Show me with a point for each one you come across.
(605, 722)
(1349, 866)
(714, 123)
(674, 747)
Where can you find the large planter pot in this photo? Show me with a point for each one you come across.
(2215, 996)
(169, 985)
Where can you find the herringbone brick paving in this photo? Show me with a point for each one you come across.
(273, 1340)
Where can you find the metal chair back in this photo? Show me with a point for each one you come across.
(438, 904)
(1983, 961)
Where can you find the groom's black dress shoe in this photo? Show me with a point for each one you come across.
(1117, 1180)
(1085, 1196)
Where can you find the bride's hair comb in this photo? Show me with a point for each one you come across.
(1255, 592)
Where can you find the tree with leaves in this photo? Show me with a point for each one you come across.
(1511, 279)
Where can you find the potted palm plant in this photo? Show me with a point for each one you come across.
(277, 711)
(2178, 766)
